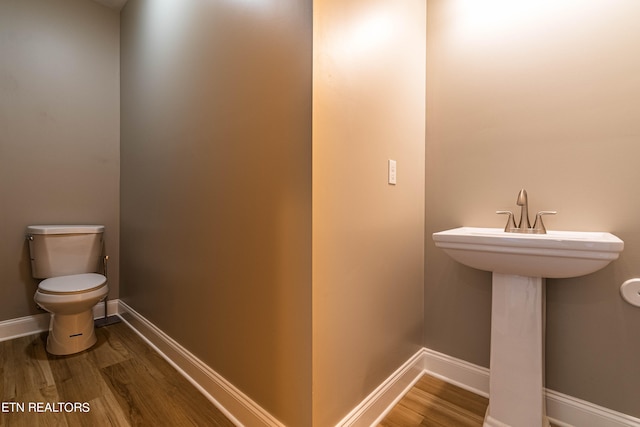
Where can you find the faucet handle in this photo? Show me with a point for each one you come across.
(538, 226)
(511, 223)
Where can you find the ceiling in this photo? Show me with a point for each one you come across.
(114, 4)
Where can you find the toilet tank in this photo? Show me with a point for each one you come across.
(61, 250)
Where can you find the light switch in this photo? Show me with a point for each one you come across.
(392, 172)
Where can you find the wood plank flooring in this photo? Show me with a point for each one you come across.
(436, 403)
(121, 381)
(433, 402)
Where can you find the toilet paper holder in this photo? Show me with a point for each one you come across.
(630, 291)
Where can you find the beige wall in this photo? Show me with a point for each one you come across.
(216, 187)
(543, 96)
(59, 131)
(369, 83)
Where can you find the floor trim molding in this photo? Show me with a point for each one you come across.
(237, 406)
(375, 406)
(568, 411)
(23, 326)
(563, 410)
(456, 371)
(36, 323)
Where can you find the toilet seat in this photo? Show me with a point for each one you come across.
(72, 284)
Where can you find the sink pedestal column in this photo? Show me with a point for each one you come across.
(516, 379)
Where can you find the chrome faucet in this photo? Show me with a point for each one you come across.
(524, 225)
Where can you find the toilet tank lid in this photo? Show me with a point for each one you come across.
(65, 229)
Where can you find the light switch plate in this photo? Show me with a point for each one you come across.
(392, 172)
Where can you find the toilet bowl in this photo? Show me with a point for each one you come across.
(70, 300)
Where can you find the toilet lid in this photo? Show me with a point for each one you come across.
(73, 284)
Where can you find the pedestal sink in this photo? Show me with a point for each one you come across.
(520, 263)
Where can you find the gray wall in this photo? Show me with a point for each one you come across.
(216, 187)
(543, 96)
(59, 131)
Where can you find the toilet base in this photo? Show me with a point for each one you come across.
(71, 333)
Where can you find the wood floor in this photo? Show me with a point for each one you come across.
(433, 402)
(121, 381)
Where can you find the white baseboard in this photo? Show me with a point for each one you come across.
(36, 323)
(457, 372)
(563, 410)
(113, 307)
(568, 411)
(375, 406)
(23, 326)
(237, 406)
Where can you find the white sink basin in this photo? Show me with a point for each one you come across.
(557, 254)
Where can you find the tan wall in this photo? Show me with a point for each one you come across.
(216, 187)
(543, 96)
(369, 83)
(59, 131)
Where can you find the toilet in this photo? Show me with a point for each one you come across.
(68, 257)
